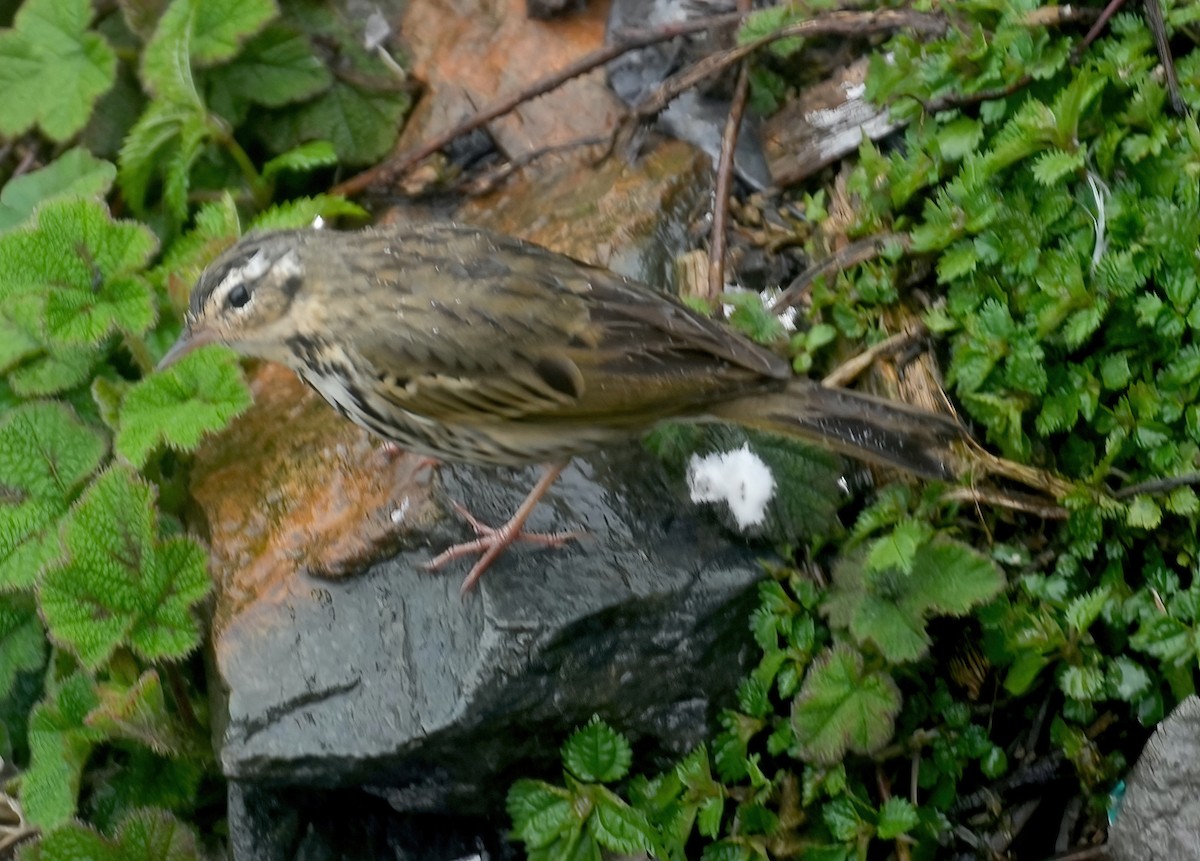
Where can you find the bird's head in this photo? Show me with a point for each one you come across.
(246, 299)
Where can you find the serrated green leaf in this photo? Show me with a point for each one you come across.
(45, 455)
(1128, 678)
(59, 745)
(1082, 683)
(138, 713)
(221, 27)
(898, 548)
(303, 211)
(597, 753)
(305, 157)
(618, 827)
(52, 68)
(540, 813)
(85, 264)
(178, 406)
(1085, 609)
(949, 577)
(22, 640)
(277, 67)
(1051, 166)
(958, 260)
(896, 816)
(75, 173)
(119, 585)
(163, 143)
(708, 817)
(361, 124)
(959, 138)
(843, 707)
(1143, 513)
(843, 819)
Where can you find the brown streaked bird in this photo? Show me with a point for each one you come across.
(471, 346)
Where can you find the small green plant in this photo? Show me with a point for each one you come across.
(1053, 198)
(99, 587)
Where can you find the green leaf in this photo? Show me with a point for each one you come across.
(898, 549)
(597, 753)
(119, 585)
(843, 819)
(86, 265)
(75, 173)
(1082, 683)
(1129, 678)
(143, 835)
(618, 827)
(303, 158)
(959, 138)
(896, 816)
(277, 67)
(139, 713)
(22, 640)
(890, 610)
(59, 745)
(1085, 609)
(1143, 512)
(45, 455)
(708, 817)
(178, 406)
(221, 27)
(540, 813)
(164, 142)
(303, 211)
(52, 69)
(994, 763)
(843, 707)
(360, 123)
(1051, 166)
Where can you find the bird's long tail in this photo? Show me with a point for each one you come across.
(868, 428)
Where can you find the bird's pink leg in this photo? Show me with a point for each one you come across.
(494, 540)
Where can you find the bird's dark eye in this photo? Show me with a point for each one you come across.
(238, 296)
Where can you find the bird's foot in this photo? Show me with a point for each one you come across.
(493, 541)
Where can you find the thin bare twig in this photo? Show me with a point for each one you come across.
(1007, 499)
(397, 163)
(831, 24)
(724, 181)
(1157, 485)
(851, 255)
(848, 371)
(1158, 27)
(489, 180)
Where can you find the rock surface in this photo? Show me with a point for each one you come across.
(388, 677)
(1159, 816)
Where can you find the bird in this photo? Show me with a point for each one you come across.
(471, 346)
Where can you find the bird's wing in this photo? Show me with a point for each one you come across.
(536, 336)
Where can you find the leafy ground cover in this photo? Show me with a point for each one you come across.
(1043, 214)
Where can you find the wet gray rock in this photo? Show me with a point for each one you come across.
(1160, 813)
(388, 679)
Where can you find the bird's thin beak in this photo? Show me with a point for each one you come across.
(188, 341)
